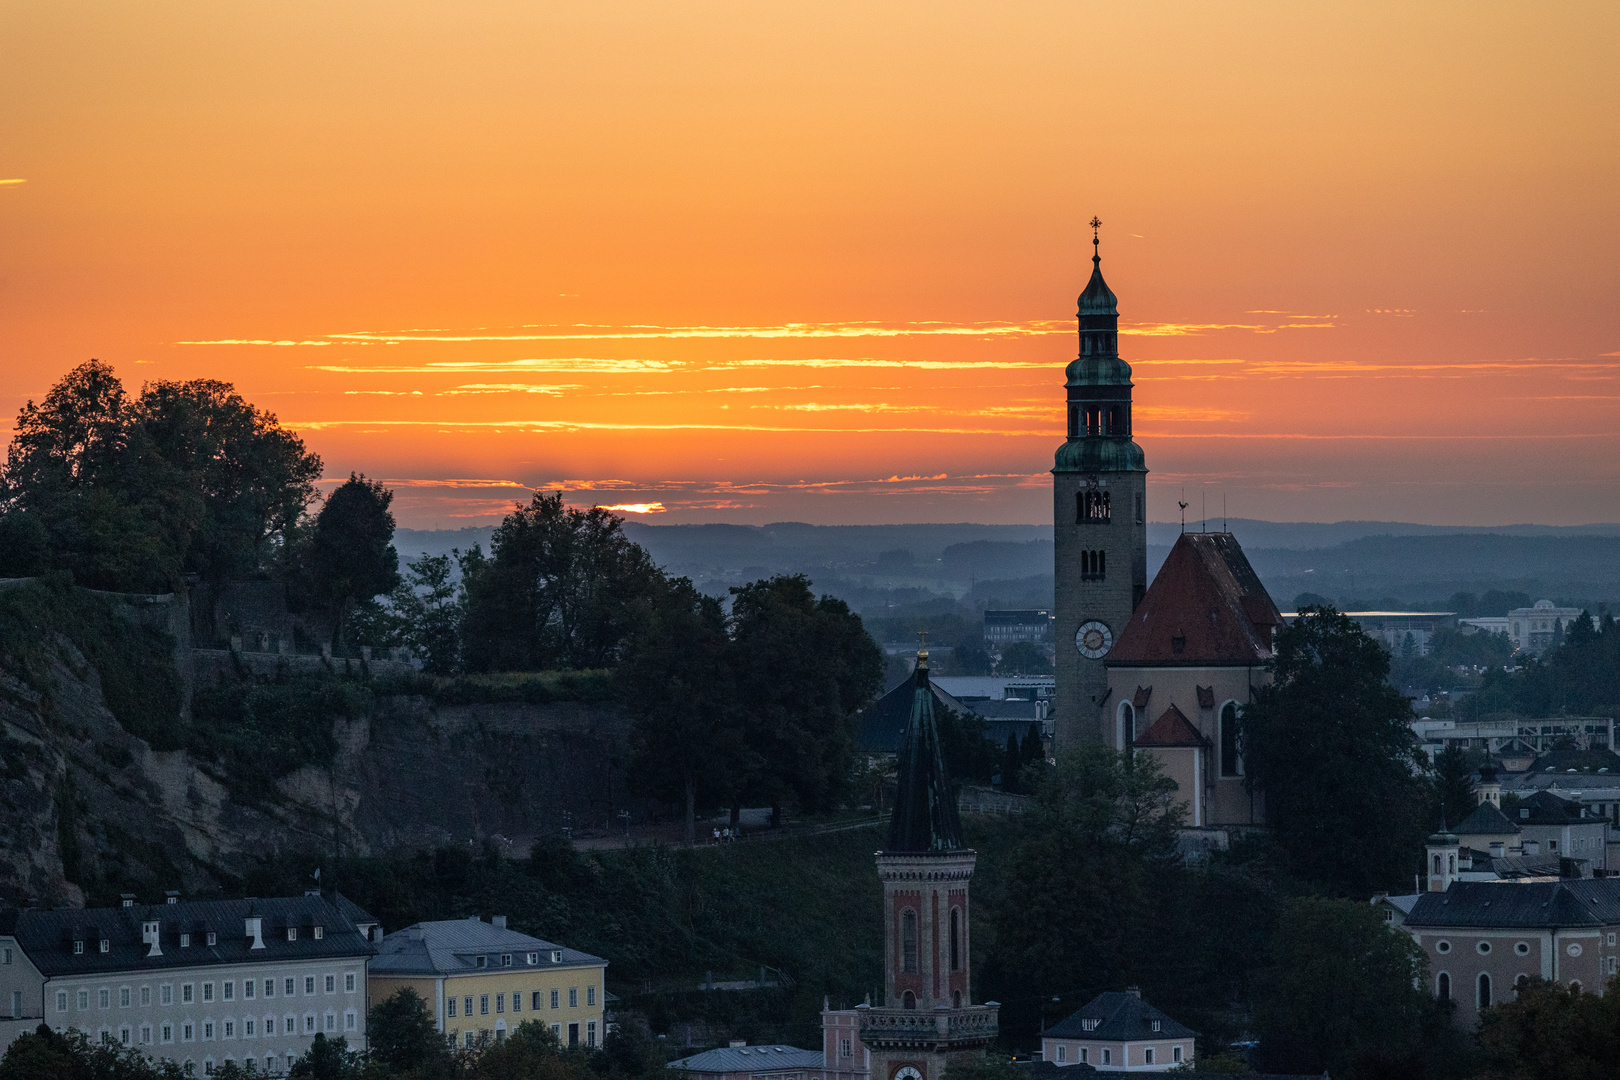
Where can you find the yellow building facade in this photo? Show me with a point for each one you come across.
(481, 980)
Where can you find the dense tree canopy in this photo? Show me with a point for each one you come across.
(351, 554)
(188, 478)
(562, 587)
(1328, 746)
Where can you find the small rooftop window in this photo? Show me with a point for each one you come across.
(506, 959)
(320, 932)
(106, 946)
(1158, 1025)
(482, 961)
(533, 958)
(213, 938)
(292, 933)
(78, 947)
(185, 941)
(556, 956)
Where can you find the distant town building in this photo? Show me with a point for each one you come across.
(1508, 737)
(1187, 660)
(844, 1056)
(481, 979)
(743, 1062)
(1531, 629)
(1117, 1032)
(198, 983)
(1024, 624)
(1484, 939)
(1393, 627)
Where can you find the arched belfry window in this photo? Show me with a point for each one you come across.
(908, 1000)
(956, 939)
(908, 940)
(1231, 764)
(1484, 990)
(1093, 507)
(1437, 865)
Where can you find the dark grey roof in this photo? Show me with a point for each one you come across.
(730, 1059)
(1547, 809)
(1486, 820)
(925, 816)
(453, 946)
(881, 726)
(1527, 904)
(1120, 1018)
(47, 937)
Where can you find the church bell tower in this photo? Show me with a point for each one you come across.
(927, 1019)
(1099, 517)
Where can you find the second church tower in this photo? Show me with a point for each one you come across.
(1099, 517)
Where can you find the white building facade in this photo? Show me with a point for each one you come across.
(197, 983)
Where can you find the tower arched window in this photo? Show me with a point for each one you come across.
(1484, 990)
(1437, 866)
(1113, 421)
(1093, 565)
(1093, 507)
(1442, 987)
(908, 940)
(1451, 864)
(1231, 763)
(908, 1000)
(956, 939)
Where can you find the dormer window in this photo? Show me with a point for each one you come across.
(106, 946)
(78, 947)
(292, 933)
(533, 958)
(1089, 1023)
(482, 961)
(320, 932)
(1158, 1025)
(506, 959)
(185, 941)
(556, 956)
(213, 938)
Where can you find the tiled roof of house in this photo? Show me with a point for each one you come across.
(1120, 1017)
(1486, 820)
(1171, 729)
(1548, 809)
(454, 946)
(48, 937)
(732, 1059)
(1206, 607)
(1527, 905)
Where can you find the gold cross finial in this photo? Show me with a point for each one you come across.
(922, 647)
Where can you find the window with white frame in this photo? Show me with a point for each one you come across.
(187, 1032)
(349, 1020)
(309, 984)
(590, 995)
(228, 991)
(247, 1028)
(248, 988)
(573, 997)
(146, 1034)
(590, 1033)
(1062, 1053)
(309, 1023)
(450, 1007)
(1147, 1056)
(166, 1033)
(208, 991)
(123, 997)
(104, 998)
(188, 992)
(208, 1029)
(228, 1029)
(331, 984)
(146, 996)
(123, 1036)
(1175, 1054)
(348, 982)
(84, 1000)
(61, 1001)
(289, 987)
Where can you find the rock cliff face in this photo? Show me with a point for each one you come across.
(89, 809)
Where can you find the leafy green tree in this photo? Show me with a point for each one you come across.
(987, 1066)
(352, 554)
(327, 1059)
(1328, 746)
(804, 666)
(1012, 763)
(531, 1053)
(1552, 1032)
(1033, 749)
(1342, 994)
(1453, 779)
(1023, 658)
(239, 482)
(562, 588)
(679, 686)
(428, 611)
(1074, 904)
(43, 1054)
(402, 1037)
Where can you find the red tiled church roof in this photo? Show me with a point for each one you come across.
(1171, 729)
(1206, 607)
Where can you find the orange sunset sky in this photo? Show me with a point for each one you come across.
(817, 261)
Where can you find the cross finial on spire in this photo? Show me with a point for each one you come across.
(922, 646)
(1096, 223)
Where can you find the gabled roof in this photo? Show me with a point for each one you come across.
(47, 937)
(1486, 820)
(731, 1059)
(1548, 809)
(1521, 905)
(1206, 607)
(1171, 729)
(1120, 1018)
(453, 947)
(925, 816)
(880, 728)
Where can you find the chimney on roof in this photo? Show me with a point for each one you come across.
(738, 1042)
(1134, 991)
(498, 921)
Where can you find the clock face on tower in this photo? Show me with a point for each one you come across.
(1094, 639)
(907, 1073)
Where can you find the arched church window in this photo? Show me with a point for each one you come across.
(1442, 987)
(956, 939)
(908, 940)
(1094, 507)
(1484, 990)
(1127, 725)
(1231, 764)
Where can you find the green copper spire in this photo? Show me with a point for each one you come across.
(1098, 384)
(925, 817)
